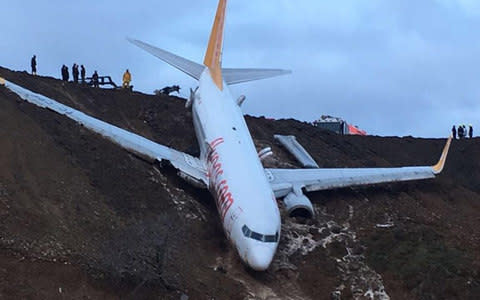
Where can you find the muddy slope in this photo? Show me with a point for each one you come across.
(81, 217)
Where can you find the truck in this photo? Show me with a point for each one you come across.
(337, 125)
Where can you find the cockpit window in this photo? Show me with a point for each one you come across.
(267, 238)
(256, 236)
(246, 231)
(271, 238)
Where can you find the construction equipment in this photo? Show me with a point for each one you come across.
(167, 90)
(102, 80)
(338, 125)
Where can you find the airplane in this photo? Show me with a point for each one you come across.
(229, 166)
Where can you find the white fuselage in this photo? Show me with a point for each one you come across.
(245, 200)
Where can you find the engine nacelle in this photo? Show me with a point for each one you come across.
(298, 205)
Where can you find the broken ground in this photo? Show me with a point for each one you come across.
(82, 218)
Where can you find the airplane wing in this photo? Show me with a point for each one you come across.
(190, 168)
(285, 180)
(233, 76)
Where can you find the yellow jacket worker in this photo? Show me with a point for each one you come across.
(126, 79)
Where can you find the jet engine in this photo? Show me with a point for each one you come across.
(298, 205)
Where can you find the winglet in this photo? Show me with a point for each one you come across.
(213, 57)
(439, 166)
(2, 81)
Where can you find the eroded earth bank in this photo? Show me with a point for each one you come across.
(81, 218)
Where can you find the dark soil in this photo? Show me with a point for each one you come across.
(81, 218)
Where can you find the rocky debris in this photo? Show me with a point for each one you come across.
(342, 247)
(83, 218)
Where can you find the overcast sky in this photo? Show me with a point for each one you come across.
(391, 67)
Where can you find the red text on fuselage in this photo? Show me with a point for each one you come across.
(218, 184)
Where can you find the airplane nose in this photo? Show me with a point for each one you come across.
(260, 257)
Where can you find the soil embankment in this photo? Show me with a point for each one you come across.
(82, 218)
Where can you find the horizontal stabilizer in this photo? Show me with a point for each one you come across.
(187, 66)
(233, 76)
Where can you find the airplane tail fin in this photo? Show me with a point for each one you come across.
(213, 56)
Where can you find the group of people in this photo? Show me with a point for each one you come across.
(75, 73)
(462, 131)
(80, 74)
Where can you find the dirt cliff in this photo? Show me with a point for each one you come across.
(81, 218)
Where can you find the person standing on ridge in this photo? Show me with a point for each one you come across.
(127, 77)
(33, 64)
(454, 132)
(470, 131)
(67, 74)
(75, 73)
(95, 79)
(460, 131)
(64, 77)
(82, 73)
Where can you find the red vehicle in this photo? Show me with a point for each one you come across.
(338, 125)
